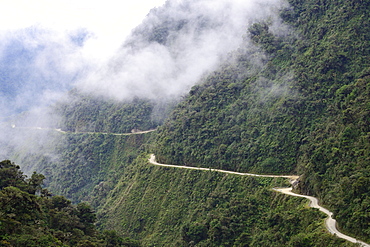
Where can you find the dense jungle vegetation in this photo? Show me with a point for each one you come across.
(176, 207)
(80, 166)
(306, 110)
(290, 101)
(86, 113)
(30, 216)
(90, 165)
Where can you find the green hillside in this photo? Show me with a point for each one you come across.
(290, 100)
(29, 216)
(305, 111)
(175, 207)
(86, 113)
(90, 165)
(89, 152)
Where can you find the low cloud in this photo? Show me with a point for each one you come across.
(175, 46)
(35, 66)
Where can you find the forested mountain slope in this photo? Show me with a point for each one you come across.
(29, 216)
(179, 207)
(86, 113)
(306, 109)
(82, 153)
(292, 99)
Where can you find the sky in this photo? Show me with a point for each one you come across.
(108, 22)
(48, 47)
(45, 45)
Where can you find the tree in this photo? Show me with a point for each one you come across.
(35, 183)
(11, 175)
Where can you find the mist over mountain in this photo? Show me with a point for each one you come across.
(174, 47)
(177, 45)
(37, 66)
(265, 87)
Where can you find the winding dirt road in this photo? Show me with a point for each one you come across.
(330, 223)
(106, 133)
(83, 132)
(291, 177)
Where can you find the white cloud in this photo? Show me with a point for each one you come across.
(45, 45)
(79, 43)
(151, 69)
(109, 21)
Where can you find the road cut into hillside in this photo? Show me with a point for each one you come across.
(86, 132)
(330, 223)
(291, 177)
(106, 133)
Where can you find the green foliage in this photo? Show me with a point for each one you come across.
(30, 220)
(113, 239)
(86, 113)
(90, 165)
(10, 175)
(303, 109)
(178, 207)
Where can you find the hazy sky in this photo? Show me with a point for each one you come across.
(107, 21)
(48, 47)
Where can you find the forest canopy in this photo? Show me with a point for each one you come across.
(31, 216)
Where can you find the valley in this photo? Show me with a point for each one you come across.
(263, 105)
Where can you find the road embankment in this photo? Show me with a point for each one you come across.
(330, 223)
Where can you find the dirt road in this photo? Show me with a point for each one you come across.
(291, 177)
(330, 223)
(83, 132)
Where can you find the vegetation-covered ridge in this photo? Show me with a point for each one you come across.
(91, 164)
(330, 223)
(83, 166)
(88, 113)
(181, 207)
(304, 108)
(30, 216)
(84, 151)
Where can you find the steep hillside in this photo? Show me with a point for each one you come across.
(90, 165)
(176, 207)
(86, 113)
(84, 152)
(29, 216)
(305, 109)
(292, 99)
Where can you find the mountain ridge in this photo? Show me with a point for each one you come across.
(290, 101)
